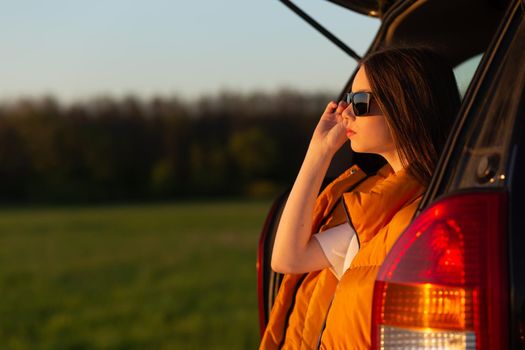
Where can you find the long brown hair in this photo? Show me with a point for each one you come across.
(418, 94)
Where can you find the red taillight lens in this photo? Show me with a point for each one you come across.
(444, 283)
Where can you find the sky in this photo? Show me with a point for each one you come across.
(75, 50)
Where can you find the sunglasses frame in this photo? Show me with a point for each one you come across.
(349, 97)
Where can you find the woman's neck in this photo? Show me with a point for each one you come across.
(394, 160)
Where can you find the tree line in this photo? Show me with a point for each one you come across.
(108, 149)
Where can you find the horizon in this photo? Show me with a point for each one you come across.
(223, 93)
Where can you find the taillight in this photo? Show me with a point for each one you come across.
(444, 284)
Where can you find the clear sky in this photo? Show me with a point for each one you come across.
(75, 49)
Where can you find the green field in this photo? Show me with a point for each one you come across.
(162, 276)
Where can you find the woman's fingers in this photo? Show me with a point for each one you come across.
(330, 133)
(330, 107)
(341, 106)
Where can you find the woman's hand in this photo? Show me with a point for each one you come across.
(330, 133)
(294, 250)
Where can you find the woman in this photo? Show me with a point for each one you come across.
(330, 247)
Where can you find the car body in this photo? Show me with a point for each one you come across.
(455, 278)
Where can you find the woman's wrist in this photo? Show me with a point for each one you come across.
(320, 153)
(317, 161)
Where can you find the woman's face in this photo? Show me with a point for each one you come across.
(368, 133)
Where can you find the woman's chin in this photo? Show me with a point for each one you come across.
(356, 148)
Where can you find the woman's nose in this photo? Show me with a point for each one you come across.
(348, 114)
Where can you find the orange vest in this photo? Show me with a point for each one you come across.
(315, 310)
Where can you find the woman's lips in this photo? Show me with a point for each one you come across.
(349, 132)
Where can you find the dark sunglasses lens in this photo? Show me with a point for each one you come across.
(347, 98)
(360, 108)
(361, 103)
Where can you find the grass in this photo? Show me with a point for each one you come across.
(165, 276)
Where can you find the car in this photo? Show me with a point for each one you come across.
(456, 277)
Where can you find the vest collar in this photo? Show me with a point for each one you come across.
(373, 204)
(331, 195)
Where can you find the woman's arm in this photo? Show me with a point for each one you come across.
(294, 250)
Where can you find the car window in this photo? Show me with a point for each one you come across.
(465, 71)
(487, 132)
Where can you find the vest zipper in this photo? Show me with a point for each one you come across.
(349, 220)
(318, 346)
(292, 305)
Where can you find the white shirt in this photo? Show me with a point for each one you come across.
(340, 245)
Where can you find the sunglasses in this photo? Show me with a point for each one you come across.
(360, 102)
